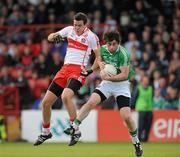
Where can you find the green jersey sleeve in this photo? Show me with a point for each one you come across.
(125, 57)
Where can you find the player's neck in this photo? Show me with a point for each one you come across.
(79, 34)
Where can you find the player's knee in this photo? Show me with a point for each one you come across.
(65, 98)
(46, 104)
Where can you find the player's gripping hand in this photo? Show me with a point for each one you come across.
(86, 72)
(102, 65)
(104, 76)
(57, 38)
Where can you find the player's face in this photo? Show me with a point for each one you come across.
(79, 27)
(112, 46)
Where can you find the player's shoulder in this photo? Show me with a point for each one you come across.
(69, 27)
(103, 48)
(91, 34)
(124, 52)
(122, 48)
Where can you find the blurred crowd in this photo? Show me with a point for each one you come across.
(150, 30)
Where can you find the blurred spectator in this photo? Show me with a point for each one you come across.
(131, 41)
(145, 61)
(139, 17)
(56, 63)
(41, 14)
(157, 40)
(110, 23)
(45, 50)
(174, 81)
(134, 57)
(125, 19)
(57, 6)
(146, 39)
(175, 62)
(162, 62)
(158, 100)
(96, 21)
(13, 57)
(172, 40)
(136, 51)
(24, 90)
(156, 78)
(3, 49)
(52, 18)
(144, 105)
(139, 73)
(149, 49)
(5, 77)
(16, 18)
(163, 86)
(27, 59)
(67, 18)
(41, 67)
(152, 68)
(30, 18)
(172, 101)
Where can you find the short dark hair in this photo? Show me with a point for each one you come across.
(112, 35)
(81, 16)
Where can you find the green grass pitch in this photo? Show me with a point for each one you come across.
(88, 150)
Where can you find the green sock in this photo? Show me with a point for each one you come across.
(133, 133)
(77, 122)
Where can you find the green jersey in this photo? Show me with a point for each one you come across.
(118, 59)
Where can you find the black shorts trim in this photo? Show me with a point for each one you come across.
(74, 85)
(122, 101)
(103, 97)
(56, 89)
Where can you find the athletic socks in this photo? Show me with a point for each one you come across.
(76, 124)
(46, 129)
(134, 136)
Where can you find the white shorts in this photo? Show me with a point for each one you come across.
(109, 88)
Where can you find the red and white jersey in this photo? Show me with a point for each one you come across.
(79, 47)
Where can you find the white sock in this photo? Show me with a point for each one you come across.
(76, 127)
(45, 131)
(135, 139)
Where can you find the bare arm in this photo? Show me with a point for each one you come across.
(96, 61)
(94, 66)
(55, 37)
(51, 37)
(120, 77)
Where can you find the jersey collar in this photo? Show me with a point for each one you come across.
(115, 51)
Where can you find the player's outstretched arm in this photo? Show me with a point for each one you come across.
(55, 37)
(50, 37)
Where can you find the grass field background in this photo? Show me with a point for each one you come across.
(88, 150)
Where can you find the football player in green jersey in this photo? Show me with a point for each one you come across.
(118, 86)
